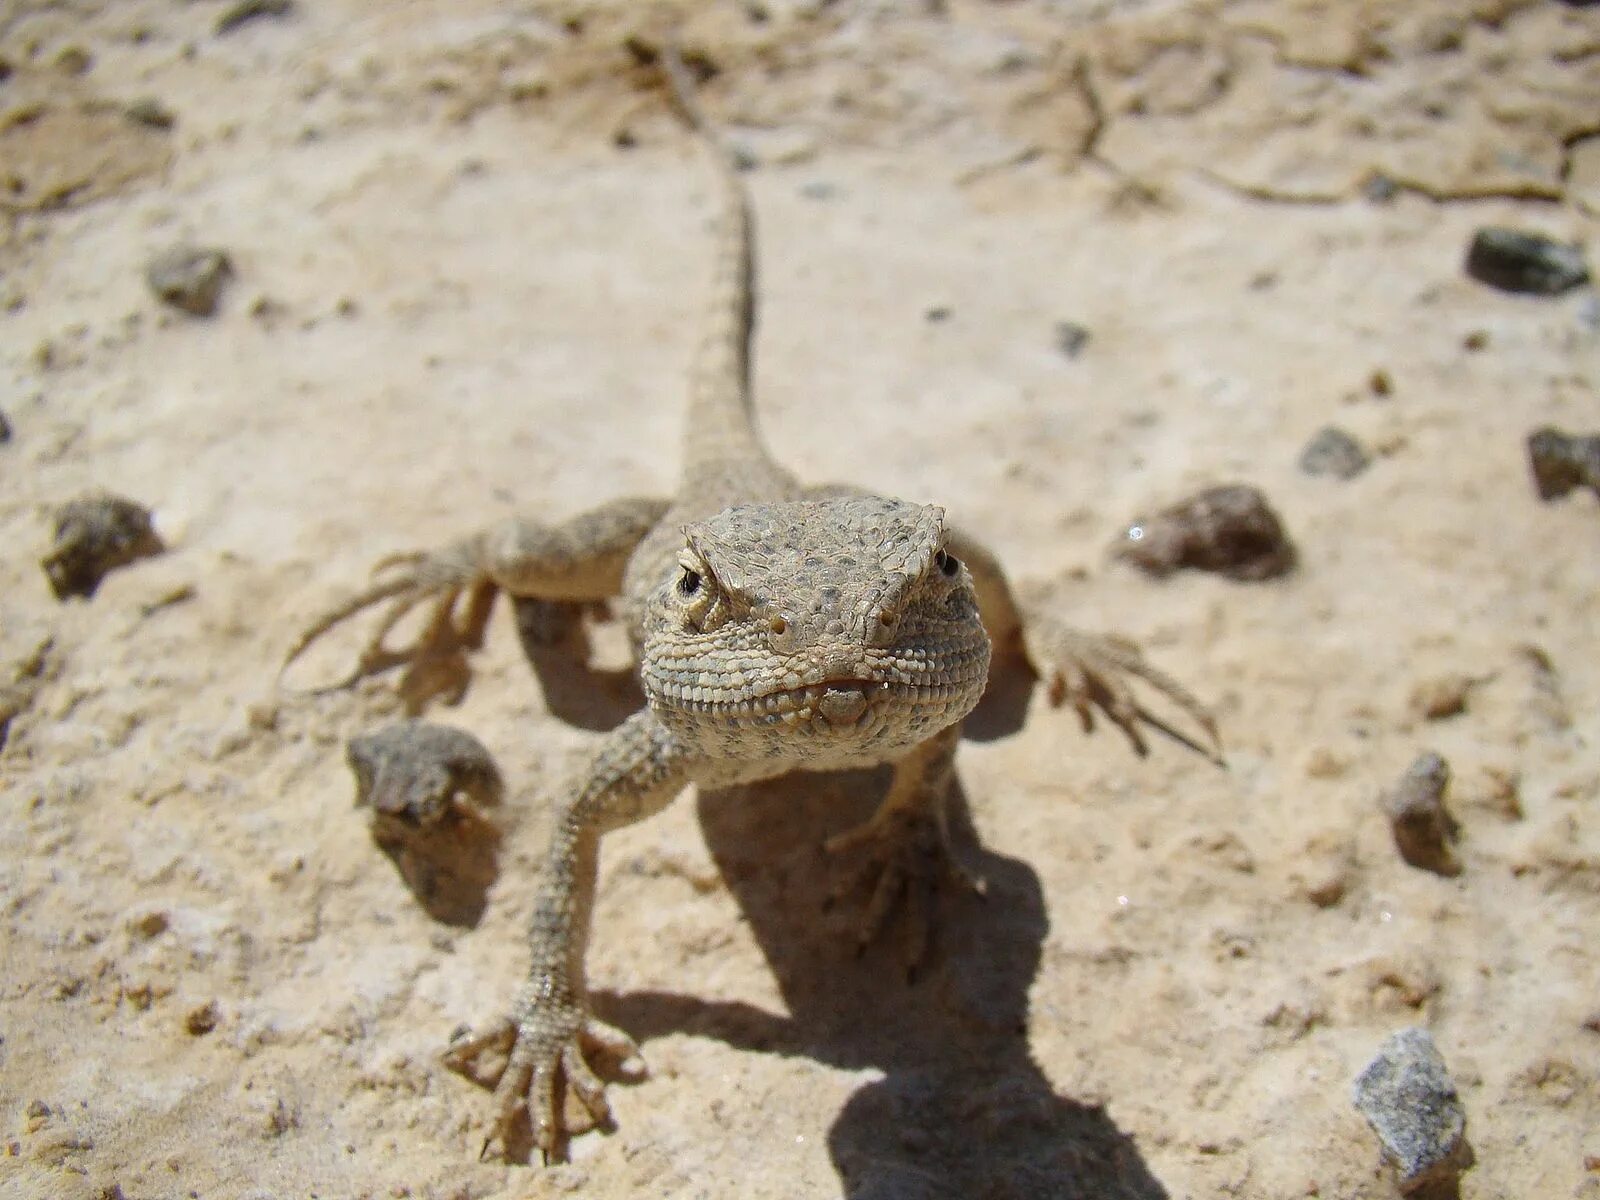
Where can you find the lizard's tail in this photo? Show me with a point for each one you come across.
(721, 418)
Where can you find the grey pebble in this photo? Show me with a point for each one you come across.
(1380, 188)
(1071, 338)
(1407, 1096)
(189, 278)
(5, 429)
(1529, 263)
(1332, 451)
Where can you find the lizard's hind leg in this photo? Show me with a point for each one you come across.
(908, 848)
(579, 560)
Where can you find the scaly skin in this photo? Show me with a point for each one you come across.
(776, 628)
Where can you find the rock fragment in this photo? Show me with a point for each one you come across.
(1424, 830)
(427, 786)
(201, 1019)
(1441, 697)
(5, 429)
(1229, 529)
(1333, 452)
(1072, 338)
(150, 112)
(1527, 263)
(412, 774)
(1562, 462)
(1407, 1096)
(189, 278)
(94, 535)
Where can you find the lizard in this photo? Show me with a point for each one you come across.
(776, 628)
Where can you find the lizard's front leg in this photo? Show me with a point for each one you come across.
(1087, 670)
(578, 560)
(907, 840)
(638, 770)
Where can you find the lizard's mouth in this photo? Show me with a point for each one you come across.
(841, 701)
(863, 707)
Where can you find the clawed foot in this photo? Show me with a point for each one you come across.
(907, 856)
(531, 1064)
(1092, 672)
(435, 660)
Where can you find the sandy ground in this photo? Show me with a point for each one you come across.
(464, 238)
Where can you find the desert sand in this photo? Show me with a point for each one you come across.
(467, 240)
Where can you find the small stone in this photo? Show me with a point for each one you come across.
(198, 1022)
(427, 786)
(94, 535)
(938, 314)
(1562, 462)
(413, 772)
(189, 278)
(1423, 828)
(1381, 384)
(5, 429)
(1477, 339)
(1380, 188)
(150, 924)
(151, 112)
(250, 10)
(1441, 697)
(1328, 888)
(1071, 338)
(1230, 529)
(1528, 263)
(1407, 1096)
(1333, 452)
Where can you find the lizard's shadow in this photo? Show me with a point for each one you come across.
(556, 641)
(961, 1109)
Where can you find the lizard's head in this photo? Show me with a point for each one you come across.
(833, 631)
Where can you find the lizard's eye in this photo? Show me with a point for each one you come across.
(949, 565)
(689, 583)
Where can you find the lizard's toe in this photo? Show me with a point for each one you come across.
(907, 857)
(1092, 673)
(532, 1066)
